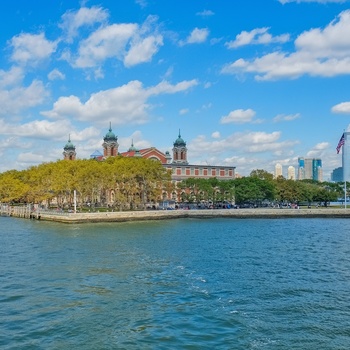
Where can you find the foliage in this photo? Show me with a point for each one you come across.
(132, 182)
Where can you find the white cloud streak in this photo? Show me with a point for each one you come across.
(319, 52)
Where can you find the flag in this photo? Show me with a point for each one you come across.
(341, 143)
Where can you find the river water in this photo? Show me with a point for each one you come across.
(175, 284)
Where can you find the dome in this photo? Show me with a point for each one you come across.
(179, 141)
(132, 148)
(69, 145)
(110, 135)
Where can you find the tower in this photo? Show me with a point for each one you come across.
(291, 173)
(69, 150)
(180, 151)
(278, 170)
(110, 144)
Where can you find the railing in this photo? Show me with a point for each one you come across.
(27, 211)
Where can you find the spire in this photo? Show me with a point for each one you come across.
(132, 147)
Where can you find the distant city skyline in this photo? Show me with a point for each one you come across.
(247, 91)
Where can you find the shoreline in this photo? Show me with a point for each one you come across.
(260, 213)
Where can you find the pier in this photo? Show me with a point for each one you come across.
(24, 211)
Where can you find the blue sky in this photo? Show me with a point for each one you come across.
(249, 83)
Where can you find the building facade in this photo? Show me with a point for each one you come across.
(177, 164)
(310, 168)
(278, 170)
(337, 175)
(291, 173)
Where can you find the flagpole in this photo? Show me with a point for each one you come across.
(344, 155)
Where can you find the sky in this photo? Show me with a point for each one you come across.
(247, 83)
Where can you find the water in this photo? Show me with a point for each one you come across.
(175, 284)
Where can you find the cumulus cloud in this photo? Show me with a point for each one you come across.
(256, 36)
(238, 116)
(197, 36)
(143, 50)
(248, 142)
(72, 21)
(318, 52)
(341, 108)
(127, 42)
(56, 74)
(318, 151)
(31, 48)
(14, 97)
(122, 105)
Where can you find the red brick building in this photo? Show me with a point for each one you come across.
(177, 163)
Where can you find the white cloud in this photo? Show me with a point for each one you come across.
(122, 105)
(73, 20)
(197, 36)
(240, 143)
(56, 74)
(342, 108)
(238, 116)
(11, 78)
(318, 151)
(205, 13)
(47, 130)
(216, 135)
(17, 98)
(104, 43)
(143, 50)
(319, 52)
(284, 117)
(127, 42)
(31, 48)
(183, 111)
(256, 36)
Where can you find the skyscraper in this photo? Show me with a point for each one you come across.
(310, 168)
(291, 173)
(278, 170)
(345, 157)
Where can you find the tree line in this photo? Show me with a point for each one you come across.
(125, 182)
(260, 188)
(129, 183)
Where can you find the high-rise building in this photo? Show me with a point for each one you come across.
(291, 173)
(337, 175)
(345, 157)
(310, 168)
(278, 170)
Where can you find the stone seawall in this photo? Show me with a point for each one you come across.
(176, 214)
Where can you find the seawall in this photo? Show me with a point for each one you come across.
(205, 214)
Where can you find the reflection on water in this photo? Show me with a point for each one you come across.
(178, 284)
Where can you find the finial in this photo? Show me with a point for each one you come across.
(110, 126)
(179, 133)
(69, 138)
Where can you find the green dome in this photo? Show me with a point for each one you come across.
(179, 141)
(69, 145)
(110, 135)
(132, 148)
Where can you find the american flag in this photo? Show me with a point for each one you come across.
(340, 143)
